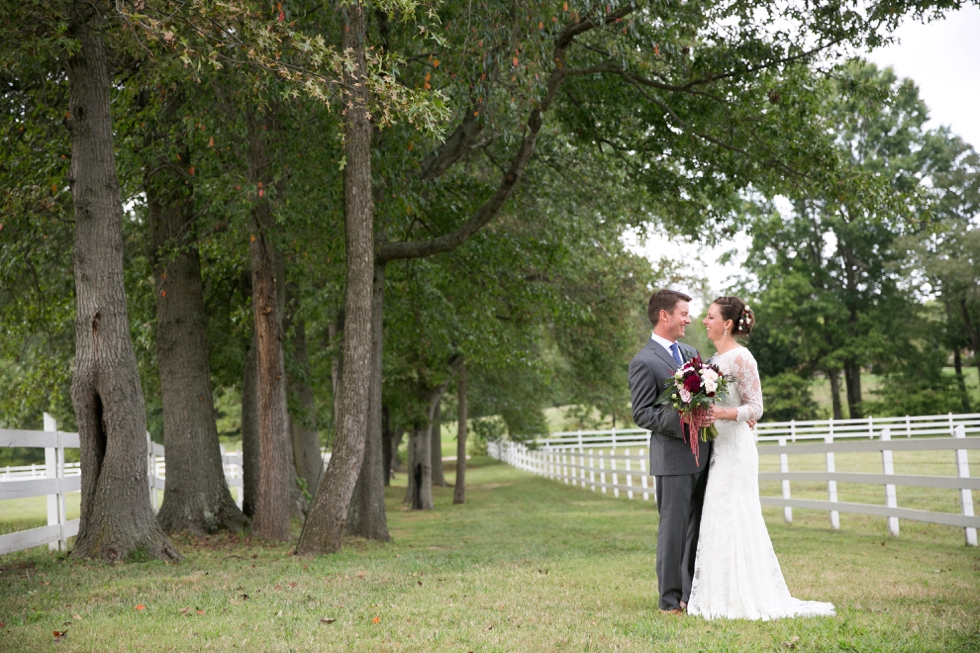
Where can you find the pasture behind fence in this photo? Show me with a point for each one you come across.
(615, 462)
(55, 479)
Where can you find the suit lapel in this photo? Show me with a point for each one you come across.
(660, 351)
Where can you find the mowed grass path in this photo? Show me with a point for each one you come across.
(526, 565)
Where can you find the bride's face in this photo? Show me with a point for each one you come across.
(714, 324)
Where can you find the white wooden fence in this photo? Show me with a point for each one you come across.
(616, 461)
(55, 479)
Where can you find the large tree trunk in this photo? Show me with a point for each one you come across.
(276, 477)
(196, 498)
(366, 516)
(459, 492)
(852, 381)
(386, 450)
(250, 433)
(834, 376)
(435, 448)
(117, 520)
(328, 514)
(305, 437)
(419, 492)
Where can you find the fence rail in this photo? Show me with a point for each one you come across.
(616, 461)
(56, 478)
(869, 427)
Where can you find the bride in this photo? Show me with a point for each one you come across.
(736, 573)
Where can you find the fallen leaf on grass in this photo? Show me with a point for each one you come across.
(376, 620)
(791, 644)
(490, 627)
(76, 617)
(60, 635)
(328, 620)
(200, 611)
(140, 607)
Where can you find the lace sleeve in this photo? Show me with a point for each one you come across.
(746, 373)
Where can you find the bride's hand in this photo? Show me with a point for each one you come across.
(717, 413)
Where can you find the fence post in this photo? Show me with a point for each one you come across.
(579, 433)
(832, 485)
(792, 430)
(51, 471)
(615, 476)
(966, 494)
(891, 499)
(784, 469)
(592, 468)
(629, 476)
(581, 462)
(602, 472)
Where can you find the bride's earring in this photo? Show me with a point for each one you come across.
(726, 332)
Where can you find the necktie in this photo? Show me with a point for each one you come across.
(676, 353)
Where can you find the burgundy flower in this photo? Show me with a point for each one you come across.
(692, 383)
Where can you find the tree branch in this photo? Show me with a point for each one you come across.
(490, 209)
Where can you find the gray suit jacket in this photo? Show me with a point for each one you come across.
(649, 371)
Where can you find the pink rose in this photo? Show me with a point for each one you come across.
(685, 396)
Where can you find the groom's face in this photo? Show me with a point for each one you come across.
(675, 321)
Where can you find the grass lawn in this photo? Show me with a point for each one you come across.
(526, 565)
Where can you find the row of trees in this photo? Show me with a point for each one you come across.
(345, 211)
(849, 282)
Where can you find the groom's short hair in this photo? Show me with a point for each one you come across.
(664, 300)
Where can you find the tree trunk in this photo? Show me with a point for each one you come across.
(196, 498)
(419, 492)
(386, 451)
(435, 448)
(834, 376)
(335, 327)
(329, 511)
(459, 492)
(304, 435)
(250, 433)
(117, 520)
(852, 381)
(396, 442)
(272, 504)
(366, 516)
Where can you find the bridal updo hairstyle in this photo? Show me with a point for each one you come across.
(734, 309)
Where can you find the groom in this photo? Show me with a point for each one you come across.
(680, 480)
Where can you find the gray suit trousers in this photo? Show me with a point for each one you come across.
(679, 501)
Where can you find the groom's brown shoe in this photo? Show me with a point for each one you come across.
(672, 611)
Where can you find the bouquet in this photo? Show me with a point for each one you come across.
(692, 390)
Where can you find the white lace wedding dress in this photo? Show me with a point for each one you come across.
(736, 573)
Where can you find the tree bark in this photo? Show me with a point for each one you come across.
(419, 492)
(852, 381)
(196, 498)
(117, 520)
(459, 492)
(328, 514)
(366, 516)
(250, 433)
(272, 506)
(398, 434)
(303, 431)
(435, 447)
(386, 450)
(834, 376)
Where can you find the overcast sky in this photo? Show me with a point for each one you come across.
(942, 57)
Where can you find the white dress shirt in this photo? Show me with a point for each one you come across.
(666, 344)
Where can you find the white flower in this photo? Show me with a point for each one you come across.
(685, 396)
(710, 386)
(709, 374)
